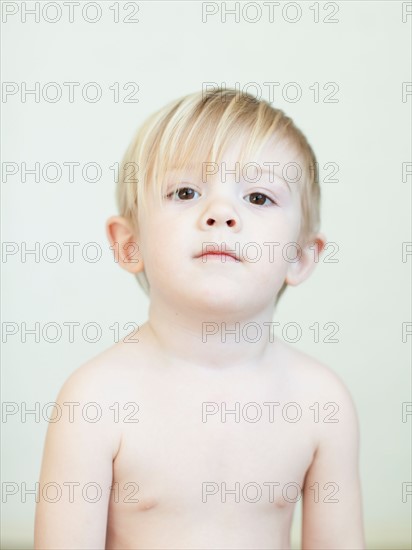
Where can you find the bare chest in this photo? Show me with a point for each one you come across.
(209, 449)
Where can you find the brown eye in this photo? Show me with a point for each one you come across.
(182, 193)
(185, 192)
(259, 199)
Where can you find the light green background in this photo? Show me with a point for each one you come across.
(169, 53)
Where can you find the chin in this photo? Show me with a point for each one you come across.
(226, 300)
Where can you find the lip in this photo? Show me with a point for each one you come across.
(219, 256)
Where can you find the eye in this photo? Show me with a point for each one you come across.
(259, 199)
(182, 193)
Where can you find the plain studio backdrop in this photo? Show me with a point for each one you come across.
(340, 70)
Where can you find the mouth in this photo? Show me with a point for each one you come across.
(222, 256)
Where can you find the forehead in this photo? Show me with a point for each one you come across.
(274, 150)
(278, 149)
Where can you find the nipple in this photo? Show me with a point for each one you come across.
(147, 504)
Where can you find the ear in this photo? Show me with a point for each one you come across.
(124, 244)
(307, 258)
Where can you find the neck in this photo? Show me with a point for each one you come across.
(211, 339)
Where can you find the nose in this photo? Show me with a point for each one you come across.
(220, 213)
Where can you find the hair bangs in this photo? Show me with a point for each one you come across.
(200, 132)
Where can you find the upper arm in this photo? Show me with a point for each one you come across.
(76, 472)
(332, 503)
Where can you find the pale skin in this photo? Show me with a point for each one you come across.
(185, 475)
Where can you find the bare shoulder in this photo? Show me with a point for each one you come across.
(311, 373)
(321, 385)
(106, 374)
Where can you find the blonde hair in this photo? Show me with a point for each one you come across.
(200, 127)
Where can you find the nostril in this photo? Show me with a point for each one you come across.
(211, 221)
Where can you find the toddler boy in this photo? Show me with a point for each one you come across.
(208, 428)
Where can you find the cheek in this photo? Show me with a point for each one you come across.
(274, 260)
(162, 245)
(278, 245)
(284, 227)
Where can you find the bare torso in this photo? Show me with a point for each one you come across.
(198, 470)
